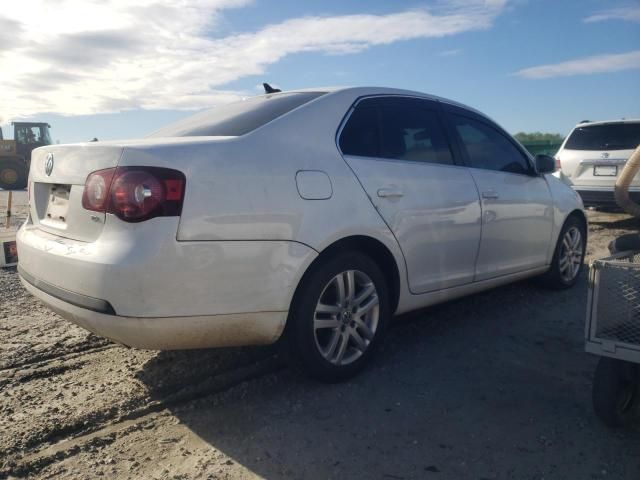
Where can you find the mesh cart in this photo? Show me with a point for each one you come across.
(613, 333)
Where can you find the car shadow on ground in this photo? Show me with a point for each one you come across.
(492, 385)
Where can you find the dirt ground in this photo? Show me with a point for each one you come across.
(494, 386)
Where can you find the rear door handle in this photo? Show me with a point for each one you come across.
(490, 195)
(390, 192)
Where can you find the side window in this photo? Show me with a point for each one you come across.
(487, 148)
(21, 135)
(360, 135)
(28, 134)
(411, 132)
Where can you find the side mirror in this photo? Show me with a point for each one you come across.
(545, 164)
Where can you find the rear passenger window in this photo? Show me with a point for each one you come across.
(408, 132)
(487, 148)
(402, 131)
(360, 134)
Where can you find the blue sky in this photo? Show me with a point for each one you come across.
(532, 65)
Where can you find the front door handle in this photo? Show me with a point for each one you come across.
(490, 195)
(390, 192)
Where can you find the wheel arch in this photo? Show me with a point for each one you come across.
(582, 217)
(371, 247)
(577, 213)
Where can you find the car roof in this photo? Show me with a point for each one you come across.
(589, 123)
(372, 90)
(30, 123)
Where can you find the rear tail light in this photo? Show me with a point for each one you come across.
(135, 194)
(558, 166)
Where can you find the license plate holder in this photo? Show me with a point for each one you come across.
(58, 204)
(605, 170)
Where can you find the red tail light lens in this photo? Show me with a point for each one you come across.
(96, 190)
(135, 194)
(558, 166)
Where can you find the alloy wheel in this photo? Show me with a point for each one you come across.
(571, 254)
(346, 317)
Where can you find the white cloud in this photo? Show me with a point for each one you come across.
(630, 14)
(584, 66)
(84, 57)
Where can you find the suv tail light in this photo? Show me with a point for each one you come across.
(135, 194)
(558, 166)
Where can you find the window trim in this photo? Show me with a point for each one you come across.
(533, 172)
(455, 156)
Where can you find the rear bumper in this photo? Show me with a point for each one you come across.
(140, 287)
(83, 301)
(603, 197)
(172, 333)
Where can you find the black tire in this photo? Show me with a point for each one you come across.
(616, 392)
(554, 278)
(302, 340)
(13, 174)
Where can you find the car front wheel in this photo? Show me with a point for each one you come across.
(339, 317)
(568, 256)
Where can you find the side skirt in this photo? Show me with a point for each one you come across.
(409, 302)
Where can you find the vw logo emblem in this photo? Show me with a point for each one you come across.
(48, 166)
(605, 154)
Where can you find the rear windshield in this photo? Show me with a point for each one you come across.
(237, 118)
(614, 136)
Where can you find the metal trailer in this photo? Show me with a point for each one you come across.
(613, 333)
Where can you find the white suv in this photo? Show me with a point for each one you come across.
(594, 154)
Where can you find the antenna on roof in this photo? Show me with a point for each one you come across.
(269, 89)
(585, 121)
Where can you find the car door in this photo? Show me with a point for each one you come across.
(398, 149)
(517, 213)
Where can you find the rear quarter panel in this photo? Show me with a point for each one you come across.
(244, 188)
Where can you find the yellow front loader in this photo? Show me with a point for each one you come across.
(15, 155)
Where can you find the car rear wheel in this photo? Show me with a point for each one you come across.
(568, 256)
(339, 317)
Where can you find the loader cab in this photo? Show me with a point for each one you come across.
(30, 135)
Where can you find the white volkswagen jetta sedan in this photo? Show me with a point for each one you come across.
(313, 215)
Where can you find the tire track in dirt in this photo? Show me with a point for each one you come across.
(42, 359)
(63, 443)
(59, 381)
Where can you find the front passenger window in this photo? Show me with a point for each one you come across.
(487, 148)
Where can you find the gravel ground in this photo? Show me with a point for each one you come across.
(494, 386)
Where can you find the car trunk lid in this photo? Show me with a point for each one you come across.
(595, 168)
(57, 178)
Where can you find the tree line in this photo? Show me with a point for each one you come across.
(535, 137)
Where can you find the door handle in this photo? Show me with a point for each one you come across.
(490, 195)
(390, 192)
